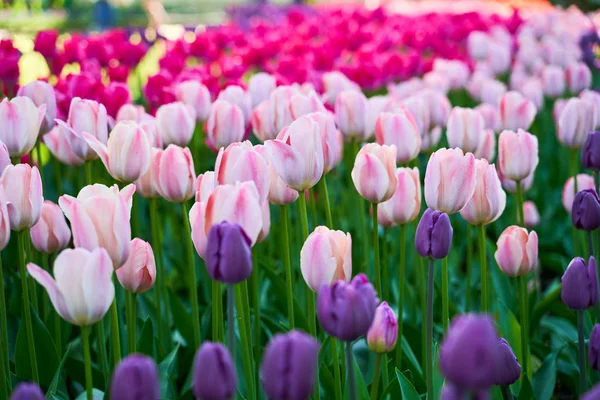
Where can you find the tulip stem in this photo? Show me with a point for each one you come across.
(350, 368)
(521, 214)
(445, 302)
(243, 316)
(469, 268)
(46, 300)
(506, 392)
(401, 282)
(376, 250)
(336, 367)
(192, 277)
(58, 176)
(88, 172)
(581, 346)
(87, 361)
(421, 275)
(231, 320)
(114, 332)
(484, 272)
(597, 180)
(255, 280)
(288, 266)
(22, 236)
(162, 319)
(376, 374)
(216, 315)
(38, 154)
(132, 321)
(524, 327)
(328, 216)
(429, 339)
(5, 366)
(101, 339)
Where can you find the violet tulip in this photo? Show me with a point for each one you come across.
(585, 212)
(27, 391)
(229, 253)
(509, 369)
(584, 182)
(580, 284)
(594, 348)
(433, 238)
(214, 374)
(590, 154)
(135, 377)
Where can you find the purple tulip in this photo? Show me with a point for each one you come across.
(228, 253)
(586, 210)
(594, 348)
(214, 373)
(136, 377)
(433, 238)
(580, 284)
(452, 392)
(346, 310)
(593, 394)
(288, 368)
(590, 154)
(509, 369)
(27, 391)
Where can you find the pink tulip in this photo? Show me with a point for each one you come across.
(516, 111)
(405, 204)
(517, 251)
(491, 116)
(465, 129)
(449, 180)
(297, 154)
(195, 95)
(138, 273)
(240, 162)
(491, 92)
(578, 76)
(100, 217)
(174, 171)
(266, 220)
(532, 216)
(517, 154)
(399, 129)
(437, 82)
(204, 186)
(132, 112)
(4, 222)
(57, 141)
(334, 83)
(150, 127)
(51, 234)
(331, 139)
(438, 107)
(176, 122)
(421, 110)
(42, 93)
(225, 124)
(374, 172)
(260, 86)
(147, 184)
(350, 114)
(262, 122)
(499, 57)
(407, 88)
(279, 192)
(456, 70)
(288, 103)
(22, 188)
(375, 106)
(553, 81)
(126, 156)
(489, 200)
(383, 333)
(477, 45)
(431, 139)
(576, 121)
(593, 97)
(4, 157)
(85, 116)
(532, 89)
(584, 182)
(197, 222)
(21, 122)
(559, 106)
(326, 257)
(83, 290)
(237, 95)
(487, 147)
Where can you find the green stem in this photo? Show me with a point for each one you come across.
(506, 393)
(115, 336)
(469, 268)
(385, 268)
(328, 216)
(312, 199)
(376, 250)
(215, 310)
(58, 176)
(32, 284)
(303, 215)
(421, 275)
(88, 172)
(336, 367)
(162, 319)
(87, 362)
(484, 272)
(231, 320)
(38, 153)
(5, 367)
(574, 161)
(22, 236)
(597, 180)
(384, 371)
(288, 266)
(350, 368)
(133, 316)
(445, 302)
(521, 214)
(365, 236)
(401, 282)
(524, 327)
(101, 347)
(256, 302)
(245, 340)
(246, 320)
(581, 346)
(376, 374)
(46, 300)
(192, 277)
(429, 339)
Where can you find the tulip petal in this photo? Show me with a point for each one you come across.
(56, 297)
(197, 223)
(100, 149)
(98, 289)
(84, 231)
(288, 162)
(317, 262)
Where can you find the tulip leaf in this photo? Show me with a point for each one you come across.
(182, 318)
(510, 329)
(361, 387)
(545, 378)
(165, 373)
(438, 380)
(392, 391)
(56, 380)
(96, 395)
(406, 387)
(526, 392)
(145, 343)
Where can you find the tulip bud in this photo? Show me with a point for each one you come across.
(405, 204)
(593, 97)
(21, 122)
(22, 187)
(204, 186)
(491, 116)
(132, 112)
(374, 172)
(331, 138)
(421, 110)
(136, 377)
(282, 379)
(477, 45)
(399, 129)
(517, 154)
(4, 222)
(509, 369)
(383, 332)
(465, 129)
(175, 174)
(584, 182)
(590, 154)
(195, 95)
(437, 81)
(517, 251)
(147, 184)
(593, 394)
(585, 212)
(326, 257)
(262, 122)
(433, 238)
(266, 220)
(51, 233)
(488, 200)
(334, 83)
(114, 96)
(350, 114)
(85, 116)
(27, 391)
(430, 140)
(594, 348)
(578, 76)
(197, 222)
(138, 273)
(580, 284)
(531, 214)
(57, 141)
(346, 310)
(487, 146)
(175, 123)
(260, 86)
(225, 124)
(236, 95)
(553, 81)
(516, 111)
(451, 392)
(42, 93)
(499, 57)
(577, 120)
(229, 253)
(456, 70)
(491, 91)
(214, 373)
(279, 192)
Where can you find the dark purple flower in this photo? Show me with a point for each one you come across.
(509, 369)
(593, 394)
(580, 284)
(346, 310)
(594, 348)
(433, 238)
(215, 377)
(136, 377)
(590, 154)
(288, 368)
(27, 391)
(45, 43)
(586, 210)
(228, 253)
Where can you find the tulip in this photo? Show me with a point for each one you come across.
(437, 81)
(576, 121)
(553, 81)
(399, 129)
(174, 173)
(45, 43)
(85, 116)
(431, 139)
(214, 373)
(238, 96)
(559, 106)
(225, 124)
(282, 379)
(22, 187)
(147, 184)
(516, 111)
(584, 182)
(262, 122)
(288, 103)
(405, 204)
(83, 290)
(585, 212)
(593, 394)
(517, 251)
(491, 116)
(138, 274)
(204, 186)
(457, 71)
(465, 129)
(27, 391)
(42, 93)
(590, 154)
(499, 57)
(150, 128)
(132, 112)
(451, 392)
(488, 200)
(449, 180)
(580, 284)
(260, 86)
(59, 143)
(332, 140)
(531, 214)
(279, 192)
(593, 97)
(175, 123)
(492, 91)
(438, 105)
(114, 96)
(350, 114)
(297, 154)
(326, 257)
(433, 238)
(421, 110)
(383, 332)
(51, 234)
(594, 348)
(197, 218)
(99, 217)
(477, 45)
(374, 174)
(517, 154)
(487, 146)
(4, 157)
(195, 95)
(508, 369)
(578, 77)
(334, 83)
(136, 377)
(266, 219)
(21, 122)
(229, 253)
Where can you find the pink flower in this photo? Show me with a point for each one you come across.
(431, 139)
(421, 110)
(138, 274)
(487, 146)
(577, 120)
(204, 186)
(132, 112)
(578, 76)
(532, 216)
(457, 71)
(489, 200)
(437, 82)
(593, 97)
(399, 129)
(334, 83)
(237, 95)
(465, 129)
(174, 173)
(147, 184)
(374, 172)
(405, 204)
(51, 234)
(350, 114)
(517, 251)
(438, 108)
(22, 188)
(195, 95)
(383, 333)
(266, 220)
(584, 181)
(21, 122)
(332, 139)
(176, 122)
(288, 103)
(553, 81)
(42, 93)
(262, 122)
(491, 91)
(516, 111)
(279, 192)
(4, 222)
(491, 116)
(57, 141)
(517, 154)
(225, 124)
(114, 96)
(260, 86)
(197, 218)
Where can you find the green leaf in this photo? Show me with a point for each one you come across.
(392, 390)
(181, 318)
(406, 387)
(526, 392)
(56, 380)
(165, 373)
(145, 343)
(510, 329)
(361, 387)
(96, 395)
(545, 378)
(438, 380)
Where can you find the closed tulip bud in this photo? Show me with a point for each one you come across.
(175, 123)
(433, 238)
(517, 251)
(21, 122)
(499, 57)
(334, 83)
(229, 253)
(469, 353)
(580, 284)
(438, 105)
(437, 81)
(225, 124)
(553, 81)
(492, 91)
(85, 116)
(4, 157)
(405, 204)
(533, 90)
(451, 392)
(559, 106)
(449, 180)
(399, 129)
(487, 147)
(431, 139)
(517, 154)
(27, 391)
(590, 154)
(260, 86)
(420, 109)
(197, 218)
(266, 220)
(279, 192)
(331, 139)
(4, 222)
(516, 111)
(350, 114)
(204, 186)
(136, 377)
(593, 394)
(132, 112)
(346, 310)
(491, 116)
(237, 95)
(59, 144)
(22, 187)
(83, 290)
(326, 257)
(174, 169)
(594, 349)
(374, 172)
(383, 332)
(576, 121)
(262, 122)
(42, 93)
(477, 45)
(147, 184)
(100, 217)
(138, 273)
(51, 233)
(531, 214)
(456, 70)
(585, 212)
(489, 200)
(465, 129)
(195, 95)
(282, 379)
(578, 76)
(584, 182)
(509, 369)
(214, 373)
